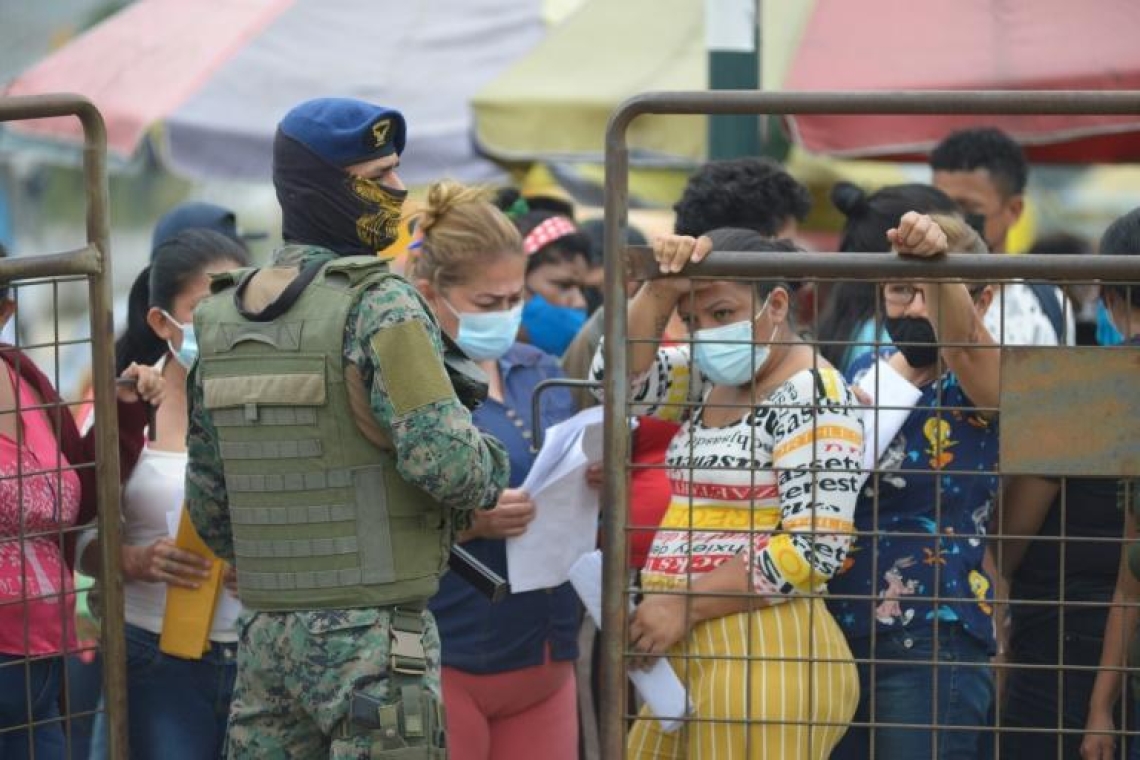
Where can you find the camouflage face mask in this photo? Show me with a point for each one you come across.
(379, 224)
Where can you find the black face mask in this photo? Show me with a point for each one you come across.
(323, 205)
(978, 223)
(915, 339)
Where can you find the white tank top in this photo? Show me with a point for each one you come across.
(152, 508)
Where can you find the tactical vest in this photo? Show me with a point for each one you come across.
(321, 518)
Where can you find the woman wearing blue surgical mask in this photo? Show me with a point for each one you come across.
(764, 473)
(178, 708)
(508, 676)
(557, 267)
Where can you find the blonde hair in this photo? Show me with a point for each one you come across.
(960, 236)
(460, 230)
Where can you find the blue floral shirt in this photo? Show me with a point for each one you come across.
(934, 498)
(517, 632)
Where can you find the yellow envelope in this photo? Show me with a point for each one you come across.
(190, 611)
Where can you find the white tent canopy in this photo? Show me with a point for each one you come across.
(211, 78)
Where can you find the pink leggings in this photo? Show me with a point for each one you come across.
(518, 715)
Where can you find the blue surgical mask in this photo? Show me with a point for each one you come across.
(551, 327)
(187, 353)
(486, 335)
(1106, 332)
(735, 362)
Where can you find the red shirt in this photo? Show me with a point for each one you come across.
(649, 487)
(39, 499)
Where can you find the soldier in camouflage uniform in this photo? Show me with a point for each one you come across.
(330, 458)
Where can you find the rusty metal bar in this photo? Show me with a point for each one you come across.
(935, 102)
(536, 428)
(94, 261)
(861, 266)
(615, 489)
(82, 261)
(792, 266)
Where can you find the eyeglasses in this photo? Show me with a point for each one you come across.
(900, 294)
(897, 294)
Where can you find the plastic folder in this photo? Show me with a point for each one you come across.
(190, 611)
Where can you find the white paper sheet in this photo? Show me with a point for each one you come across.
(659, 686)
(887, 388)
(565, 525)
(172, 519)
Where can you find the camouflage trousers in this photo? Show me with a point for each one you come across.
(337, 684)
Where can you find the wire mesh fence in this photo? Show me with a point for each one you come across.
(812, 599)
(54, 479)
(908, 563)
(923, 567)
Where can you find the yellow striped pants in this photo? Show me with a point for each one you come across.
(775, 683)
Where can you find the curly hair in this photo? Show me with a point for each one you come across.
(750, 193)
(984, 148)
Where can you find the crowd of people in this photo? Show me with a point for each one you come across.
(332, 427)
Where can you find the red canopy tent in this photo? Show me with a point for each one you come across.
(970, 45)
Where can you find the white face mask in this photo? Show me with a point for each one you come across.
(729, 354)
(485, 335)
(187, 353)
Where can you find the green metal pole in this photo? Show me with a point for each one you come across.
(732, 39)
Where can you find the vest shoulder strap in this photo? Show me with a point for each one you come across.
(220, 281)
(1048, 296)
(358, 269)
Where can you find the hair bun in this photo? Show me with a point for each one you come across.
(850, 199)
(442, 198)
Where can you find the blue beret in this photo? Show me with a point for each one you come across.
(195, 216)
(344, 131)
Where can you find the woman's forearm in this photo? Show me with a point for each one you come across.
(649, 314)
(1118, 630)
(1106, 689)
(723, 591)
(969, 349)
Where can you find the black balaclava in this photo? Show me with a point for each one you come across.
(321, 204)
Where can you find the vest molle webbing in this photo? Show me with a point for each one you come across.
(321, 517)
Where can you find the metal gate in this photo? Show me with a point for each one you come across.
(1067, 367)
(91, 265)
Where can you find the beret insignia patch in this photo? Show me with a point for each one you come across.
(381, 131)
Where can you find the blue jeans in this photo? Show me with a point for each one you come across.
(957, 691)
(177, 709)
(1057, 696)
(84, 688)
(1133, 744)
(40, 682)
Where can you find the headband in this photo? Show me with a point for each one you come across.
(547, 232)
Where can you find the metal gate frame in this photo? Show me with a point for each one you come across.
(624, 263)
(92, 262)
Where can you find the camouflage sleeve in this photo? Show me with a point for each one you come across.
(206, 498)
(397, 347)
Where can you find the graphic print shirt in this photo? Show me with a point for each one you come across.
(778, 486)
(922, 533)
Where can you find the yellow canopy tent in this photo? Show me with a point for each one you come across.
(553, 104)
